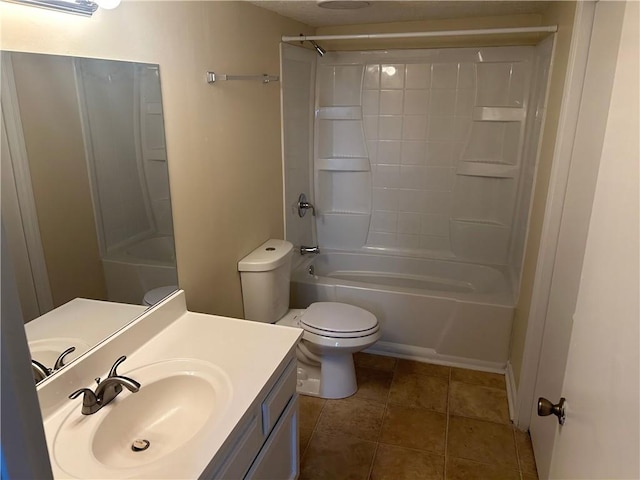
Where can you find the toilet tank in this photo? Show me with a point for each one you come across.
(265, 275)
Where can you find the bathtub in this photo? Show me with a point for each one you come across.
(438, 310)
(133, 269)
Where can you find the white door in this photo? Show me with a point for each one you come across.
(19, 214)
(590, 346)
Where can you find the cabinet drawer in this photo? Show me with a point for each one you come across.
(275, 403)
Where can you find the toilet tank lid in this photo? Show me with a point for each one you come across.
(268, 256)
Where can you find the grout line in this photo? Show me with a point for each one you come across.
(373, 461)
(313, 431)
(515, 443)
(446, 431)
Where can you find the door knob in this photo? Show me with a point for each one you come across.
(545, 407)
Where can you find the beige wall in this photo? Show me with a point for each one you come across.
(45, 86)
(562, 14)
(223, 141)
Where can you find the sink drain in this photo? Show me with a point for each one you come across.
(140, 445)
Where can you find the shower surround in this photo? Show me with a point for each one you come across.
(417, 154)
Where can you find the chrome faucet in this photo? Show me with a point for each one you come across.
(304, 250)
(107, 390)
(60, 361)
(40, 372)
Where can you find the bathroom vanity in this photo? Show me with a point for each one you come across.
(217, 400)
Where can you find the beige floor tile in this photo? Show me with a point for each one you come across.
(419, 391)
(333, 457)
(310, 408)
(417, 428)
(397, 463)
(476, 401)
(377, 362)
(460, 469)
(373, 384)
(486, 379)
(421, 368)
(481, 441)
(525, 453)
(353, 417)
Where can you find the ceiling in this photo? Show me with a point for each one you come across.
(307, 11)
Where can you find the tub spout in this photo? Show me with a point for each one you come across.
(304, 250)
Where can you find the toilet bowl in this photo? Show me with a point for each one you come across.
(154, 295)
(332, 331)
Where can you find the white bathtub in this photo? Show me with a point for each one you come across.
(444, 311)
(134, 269)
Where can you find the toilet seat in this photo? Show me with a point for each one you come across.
(338, 320)
(155, 295)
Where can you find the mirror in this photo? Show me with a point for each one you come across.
(85, 198)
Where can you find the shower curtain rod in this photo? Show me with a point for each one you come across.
(441, 33)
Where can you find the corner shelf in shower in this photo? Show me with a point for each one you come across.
(343, 164)
(351, 112)
(487, 169)
(498, 114)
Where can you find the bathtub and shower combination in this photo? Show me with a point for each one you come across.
(421, 168)
(440, 310)
(138, 267)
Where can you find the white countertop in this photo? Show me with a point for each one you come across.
(250, 355)
(80, 323)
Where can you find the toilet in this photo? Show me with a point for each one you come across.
(154, 295)
(332, 331)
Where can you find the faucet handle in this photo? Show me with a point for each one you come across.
(112, 372)
(87, 392)
(60, 361)
(40, 372)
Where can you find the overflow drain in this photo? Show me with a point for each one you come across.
(140, 445)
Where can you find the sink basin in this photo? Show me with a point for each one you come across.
(178, 402)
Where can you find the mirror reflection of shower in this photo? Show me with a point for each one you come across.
(123, 125)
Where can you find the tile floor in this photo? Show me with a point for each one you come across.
(412, 420)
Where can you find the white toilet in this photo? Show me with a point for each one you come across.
(154, 295)
(332, 331)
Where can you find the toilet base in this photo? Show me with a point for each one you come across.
(335, 378)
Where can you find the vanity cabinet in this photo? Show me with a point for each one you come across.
(264, 446)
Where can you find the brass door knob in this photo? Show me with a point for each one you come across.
(545, 408)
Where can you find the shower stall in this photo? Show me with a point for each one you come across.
(126, 155)
(420, 164)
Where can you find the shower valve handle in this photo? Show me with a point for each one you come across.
(303, 206)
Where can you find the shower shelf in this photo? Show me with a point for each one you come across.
(343, 164)
(498, 114)
(485, 169)
(343, 212)
(479, 222)
(340, 113)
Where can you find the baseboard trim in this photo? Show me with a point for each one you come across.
(512, 393)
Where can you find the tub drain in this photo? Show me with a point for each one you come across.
(140, 445)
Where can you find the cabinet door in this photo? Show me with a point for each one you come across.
(278, 459)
